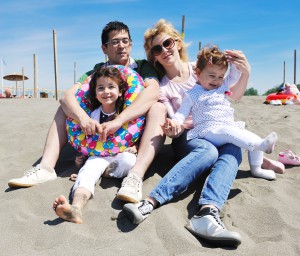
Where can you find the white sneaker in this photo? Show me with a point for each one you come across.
(208, 225)
(138, 212)
(131, 189)
(32, 177)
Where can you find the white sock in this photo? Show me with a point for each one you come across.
(258, 172)
(268, 143)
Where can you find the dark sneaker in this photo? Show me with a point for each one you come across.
(208, 225)
(138, 212)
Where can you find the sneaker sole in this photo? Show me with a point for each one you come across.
(230, 242)
(131, 213)
(126, 198)
(19, 185)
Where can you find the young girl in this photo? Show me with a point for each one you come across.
(107, 90)
(214, 117)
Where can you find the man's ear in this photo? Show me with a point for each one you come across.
(103, 46)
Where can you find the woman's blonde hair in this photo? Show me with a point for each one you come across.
(163, 27)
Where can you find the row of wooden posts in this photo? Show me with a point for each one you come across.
(55, 64)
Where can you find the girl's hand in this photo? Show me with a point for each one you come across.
(172, 129)
(132, 150)
(238, 58)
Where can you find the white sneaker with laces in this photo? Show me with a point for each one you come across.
(32, 177)
(138, 212)
(208, 225)
(131, 189)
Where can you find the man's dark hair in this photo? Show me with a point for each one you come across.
(112, 26)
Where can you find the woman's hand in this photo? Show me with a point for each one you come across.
(172, 129)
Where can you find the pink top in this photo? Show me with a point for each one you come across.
(172, 93)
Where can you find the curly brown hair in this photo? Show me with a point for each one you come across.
(211, 55)
(114, 74)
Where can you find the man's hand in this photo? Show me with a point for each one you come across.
(108, 128)
(89, 126)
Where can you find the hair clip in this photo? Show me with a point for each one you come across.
(210, 61)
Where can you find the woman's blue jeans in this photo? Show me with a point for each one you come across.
(198, 156)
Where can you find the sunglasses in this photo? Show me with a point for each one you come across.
(117, 41)
(167, 44)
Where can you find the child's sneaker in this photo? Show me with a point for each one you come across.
(138, 212)
(289, 158)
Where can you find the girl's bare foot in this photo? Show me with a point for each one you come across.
(67, 211)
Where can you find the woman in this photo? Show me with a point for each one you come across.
(166, 50)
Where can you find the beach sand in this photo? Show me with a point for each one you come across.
(265, 213)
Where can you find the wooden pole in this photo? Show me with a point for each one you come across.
(199, 45)
(284, 73)
(34, 77)
(295, 60)
(55, 62)
(74, 72)
(183, 24)
(23, 83)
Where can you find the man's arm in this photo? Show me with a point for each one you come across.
(72, 109)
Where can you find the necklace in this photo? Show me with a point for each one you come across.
(104, 116)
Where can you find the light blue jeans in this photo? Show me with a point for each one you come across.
(198, 156)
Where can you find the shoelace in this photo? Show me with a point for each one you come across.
(31, 171)
(216, 216)
(131, 182)
(146, 207)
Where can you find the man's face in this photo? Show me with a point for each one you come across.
(118, 48)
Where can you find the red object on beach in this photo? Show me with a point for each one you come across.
(280, 96)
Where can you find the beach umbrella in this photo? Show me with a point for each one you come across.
(15, 77)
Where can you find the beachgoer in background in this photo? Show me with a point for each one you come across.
(214, 117)
(166, 50)
(116, 44)
(107, 89)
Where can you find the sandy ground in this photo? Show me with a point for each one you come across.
(266, 213)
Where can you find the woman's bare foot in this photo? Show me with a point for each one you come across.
(274, 165)
(67, 211)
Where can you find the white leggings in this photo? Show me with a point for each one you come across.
(95, 166)
(239, 137)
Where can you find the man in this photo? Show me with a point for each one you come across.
(116, 44)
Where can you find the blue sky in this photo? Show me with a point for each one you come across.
(267, 31)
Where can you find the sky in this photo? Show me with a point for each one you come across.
(267, 31)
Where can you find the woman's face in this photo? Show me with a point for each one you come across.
(170, 53)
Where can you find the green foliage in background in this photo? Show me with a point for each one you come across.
(251, 92)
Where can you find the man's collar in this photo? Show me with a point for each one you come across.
(132, 63)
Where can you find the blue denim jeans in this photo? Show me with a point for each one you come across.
(198, 156)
